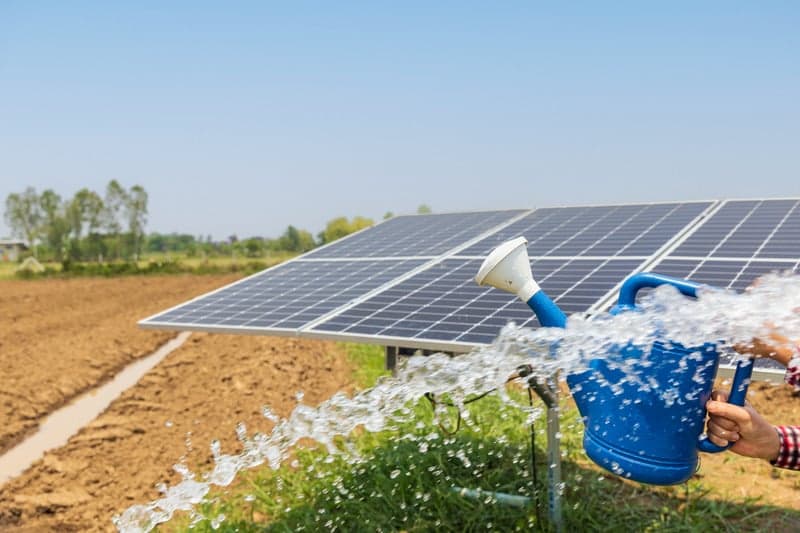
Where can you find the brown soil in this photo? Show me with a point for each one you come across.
(59, 338)
(197, 394)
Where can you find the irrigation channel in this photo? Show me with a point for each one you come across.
(57, 428)
(724, 317)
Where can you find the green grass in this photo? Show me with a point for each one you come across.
(404, 480)
(226, 262)
(368, 363)
(155, 264)
(7, 270)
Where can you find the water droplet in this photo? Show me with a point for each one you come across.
(217, 521)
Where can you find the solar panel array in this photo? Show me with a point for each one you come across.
(409, 281)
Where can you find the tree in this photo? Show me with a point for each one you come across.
(388, 215)
(254, 247)
(85, 211)
(23, 215)
(424, 209)
(339, 227)
(115, 201)
(55, 224)
(136, 211)
(296, 240)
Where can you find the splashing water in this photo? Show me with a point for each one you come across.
(719, 316)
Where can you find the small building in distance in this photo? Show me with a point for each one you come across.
(10, 249)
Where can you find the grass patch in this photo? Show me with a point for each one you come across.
(404, 476)
(152, 266)
(7, 270)
(368, 361)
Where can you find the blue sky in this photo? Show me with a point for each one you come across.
(245, 117)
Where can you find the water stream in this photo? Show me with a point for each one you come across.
(664, 314)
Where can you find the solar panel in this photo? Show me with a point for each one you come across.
(740, 241)
(416, 236)
(283, 298)
(443, 304)
(735, 275)
(616, 230)
(758, 229)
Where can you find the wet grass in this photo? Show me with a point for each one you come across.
(405, 476)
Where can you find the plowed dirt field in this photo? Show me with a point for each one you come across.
(60, 337)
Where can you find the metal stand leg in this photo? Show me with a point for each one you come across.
(391, 359)
(554, 468)
(548, 392)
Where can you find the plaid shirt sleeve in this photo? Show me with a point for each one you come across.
(789, 453)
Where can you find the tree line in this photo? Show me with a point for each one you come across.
(87, 226)
(293, 239)
(94, 227)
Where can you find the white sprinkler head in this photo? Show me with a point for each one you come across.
(508, 268)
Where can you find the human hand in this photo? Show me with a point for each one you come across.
(750, 433)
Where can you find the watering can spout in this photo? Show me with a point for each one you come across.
(508, 268)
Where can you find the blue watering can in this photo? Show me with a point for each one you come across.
(647, 434)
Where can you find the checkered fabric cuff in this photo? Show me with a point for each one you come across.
(789, 452)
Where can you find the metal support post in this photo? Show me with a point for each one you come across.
(391, 358)
(547, 390)
(554, 465)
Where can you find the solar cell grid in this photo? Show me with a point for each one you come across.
(416, 236)
(286, 297)
(736, 275)
(623, 230)
(742, 240)
(443, 303)
(748, 228)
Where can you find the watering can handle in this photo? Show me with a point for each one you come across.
(744, 369)
(741, 380)
(627, 293)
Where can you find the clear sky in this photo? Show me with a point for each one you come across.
(245, 117)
